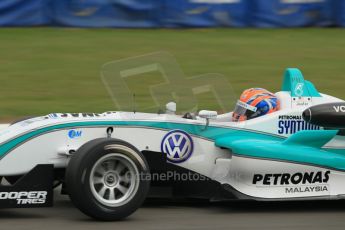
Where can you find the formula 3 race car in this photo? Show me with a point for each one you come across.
(109, 163)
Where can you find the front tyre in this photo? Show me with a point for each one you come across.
(104, 179)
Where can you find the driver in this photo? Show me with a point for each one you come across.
(253, 103)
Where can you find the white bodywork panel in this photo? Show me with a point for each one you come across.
(242, 179)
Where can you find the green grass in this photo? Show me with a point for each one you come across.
(45, 70)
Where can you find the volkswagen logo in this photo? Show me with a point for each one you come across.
(178, 146)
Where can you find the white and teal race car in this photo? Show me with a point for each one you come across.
(109, 163)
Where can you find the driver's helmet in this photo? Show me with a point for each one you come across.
(255, 102)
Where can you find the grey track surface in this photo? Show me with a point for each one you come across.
(165, 214)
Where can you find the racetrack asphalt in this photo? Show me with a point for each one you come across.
(165, 214)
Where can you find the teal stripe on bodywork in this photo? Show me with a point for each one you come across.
(198, 130)
(302, 147)
(311, 138)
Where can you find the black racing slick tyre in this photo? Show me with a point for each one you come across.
(106, 179)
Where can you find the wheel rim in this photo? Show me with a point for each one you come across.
(114, 179)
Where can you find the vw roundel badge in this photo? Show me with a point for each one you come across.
(178, 146)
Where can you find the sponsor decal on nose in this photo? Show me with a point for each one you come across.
(74, 134)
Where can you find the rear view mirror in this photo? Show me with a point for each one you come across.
(208, 114)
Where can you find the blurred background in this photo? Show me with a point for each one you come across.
(51, 51)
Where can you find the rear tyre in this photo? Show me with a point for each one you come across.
(104, 179)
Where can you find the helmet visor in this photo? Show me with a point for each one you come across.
(243, 111)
